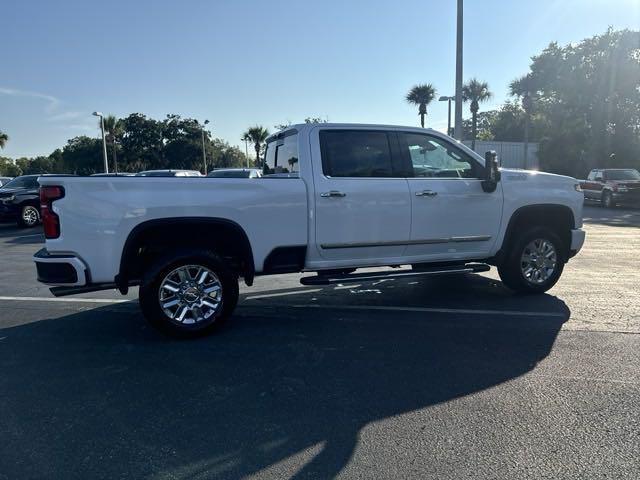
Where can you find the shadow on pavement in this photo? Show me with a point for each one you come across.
(97, 394)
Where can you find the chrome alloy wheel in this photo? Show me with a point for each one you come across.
(539, 261)
(30, 216)
(190, 294)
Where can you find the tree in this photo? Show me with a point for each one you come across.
(82, 156)
(8, 168)
(421, 95)
(257, 136)
(309, 120)
(113, 129)
(475, 92)
(587, 102)
(4, 138)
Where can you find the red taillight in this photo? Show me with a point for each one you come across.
(50, 221)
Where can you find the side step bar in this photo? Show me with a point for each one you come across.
(93, 287)
(368, 276)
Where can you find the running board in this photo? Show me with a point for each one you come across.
(368, 276)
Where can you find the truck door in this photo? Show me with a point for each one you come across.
(362, 202)
(452, 216)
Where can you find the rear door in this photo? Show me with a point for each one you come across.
(362, 202)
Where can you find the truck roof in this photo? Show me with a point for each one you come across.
(305, 126)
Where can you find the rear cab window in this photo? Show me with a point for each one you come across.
(281, 157)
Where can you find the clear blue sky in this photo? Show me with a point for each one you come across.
(239, 63)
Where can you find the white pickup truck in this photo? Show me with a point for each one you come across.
(333, 198)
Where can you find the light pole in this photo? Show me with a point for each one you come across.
(204, 155)
(104, 141)
(448, 100)
(527, 103)
(458, 130)
(246, 148)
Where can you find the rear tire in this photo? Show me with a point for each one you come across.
(189, 293)
(534, 261)
(29, 216)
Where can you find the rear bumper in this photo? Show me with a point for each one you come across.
(60, 269)
(577, 241)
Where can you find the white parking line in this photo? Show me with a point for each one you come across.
(434, 310)
(467, 311)
(64, 300)
(282, 294)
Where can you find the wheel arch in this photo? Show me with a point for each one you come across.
(557, 217)
(147, 239)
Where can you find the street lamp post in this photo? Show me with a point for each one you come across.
(104, 141)
(448, 100)
(204, 155)
(458, 130)
(246, 149)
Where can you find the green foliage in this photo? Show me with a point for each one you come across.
(475, 91)
(586, 102)
(257, 135)
(421, 95)
(4, 138)
(8, 168)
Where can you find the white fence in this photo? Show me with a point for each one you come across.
(510, 154)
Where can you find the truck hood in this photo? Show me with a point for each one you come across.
(514, 175)
(7, 192)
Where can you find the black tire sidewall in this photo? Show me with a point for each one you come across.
(510, 271)
(149, 289)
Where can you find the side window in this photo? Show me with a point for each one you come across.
(282, 156)
(433, 157)
(355, 153)
(592, 175)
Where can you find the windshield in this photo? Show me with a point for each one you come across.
(22, 182)
(622, 175)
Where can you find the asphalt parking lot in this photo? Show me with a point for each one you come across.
(445, 378)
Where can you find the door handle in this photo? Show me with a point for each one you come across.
(333, 193)
(426, 193)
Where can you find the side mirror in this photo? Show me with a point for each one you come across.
(491, 172)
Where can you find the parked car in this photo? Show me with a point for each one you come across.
(19, 201)
(4, 180)
(169, 173)
(356, 196)
(613, 186)
(236, 173)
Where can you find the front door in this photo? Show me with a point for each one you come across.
(362, 205)
(452, 216)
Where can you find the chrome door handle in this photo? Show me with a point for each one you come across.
(333, 193)
(426, 193)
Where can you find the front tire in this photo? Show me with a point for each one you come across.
(607, 200)
(29, 216)
(189, 294)
(534, 262)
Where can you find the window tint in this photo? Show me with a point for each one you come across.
(434, 157)
(355, 153)
(282, 156)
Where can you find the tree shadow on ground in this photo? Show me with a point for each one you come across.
(98, 394)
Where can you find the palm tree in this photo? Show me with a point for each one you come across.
(421, 95)
(113, 129)
(3, 139)
(475, 92)
(256, 135)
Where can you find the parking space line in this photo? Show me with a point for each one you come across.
(63, 300)
(282, 294)
(434, 310)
